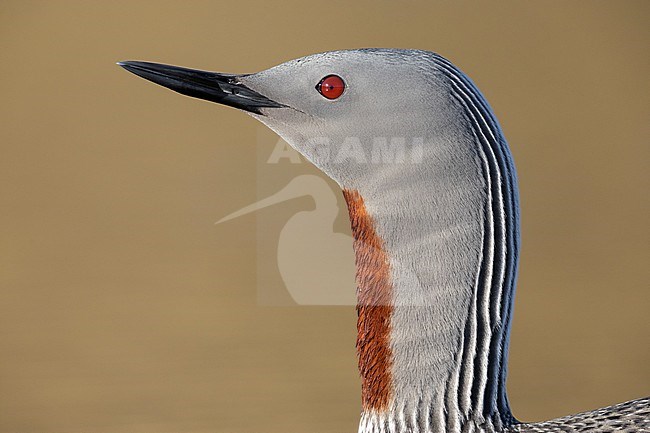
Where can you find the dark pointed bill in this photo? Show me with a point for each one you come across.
(223, 89)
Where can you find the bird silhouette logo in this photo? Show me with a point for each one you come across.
(314, 262)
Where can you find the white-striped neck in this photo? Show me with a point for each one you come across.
(437, 247)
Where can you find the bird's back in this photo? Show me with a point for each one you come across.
(629, 417)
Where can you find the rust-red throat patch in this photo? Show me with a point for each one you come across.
(374, 306)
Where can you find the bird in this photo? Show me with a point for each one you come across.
(308, 248)
(432, 195)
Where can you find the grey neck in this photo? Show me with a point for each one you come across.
(450, 228)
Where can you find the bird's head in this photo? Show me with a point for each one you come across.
(355, 114)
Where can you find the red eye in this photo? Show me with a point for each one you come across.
(331, 86)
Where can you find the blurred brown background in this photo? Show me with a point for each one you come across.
(124, 309)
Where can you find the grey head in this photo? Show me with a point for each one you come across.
(394, 102)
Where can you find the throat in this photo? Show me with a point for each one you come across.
(374, 308)
(435, 284)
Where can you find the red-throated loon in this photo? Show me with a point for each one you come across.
(435, 226)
